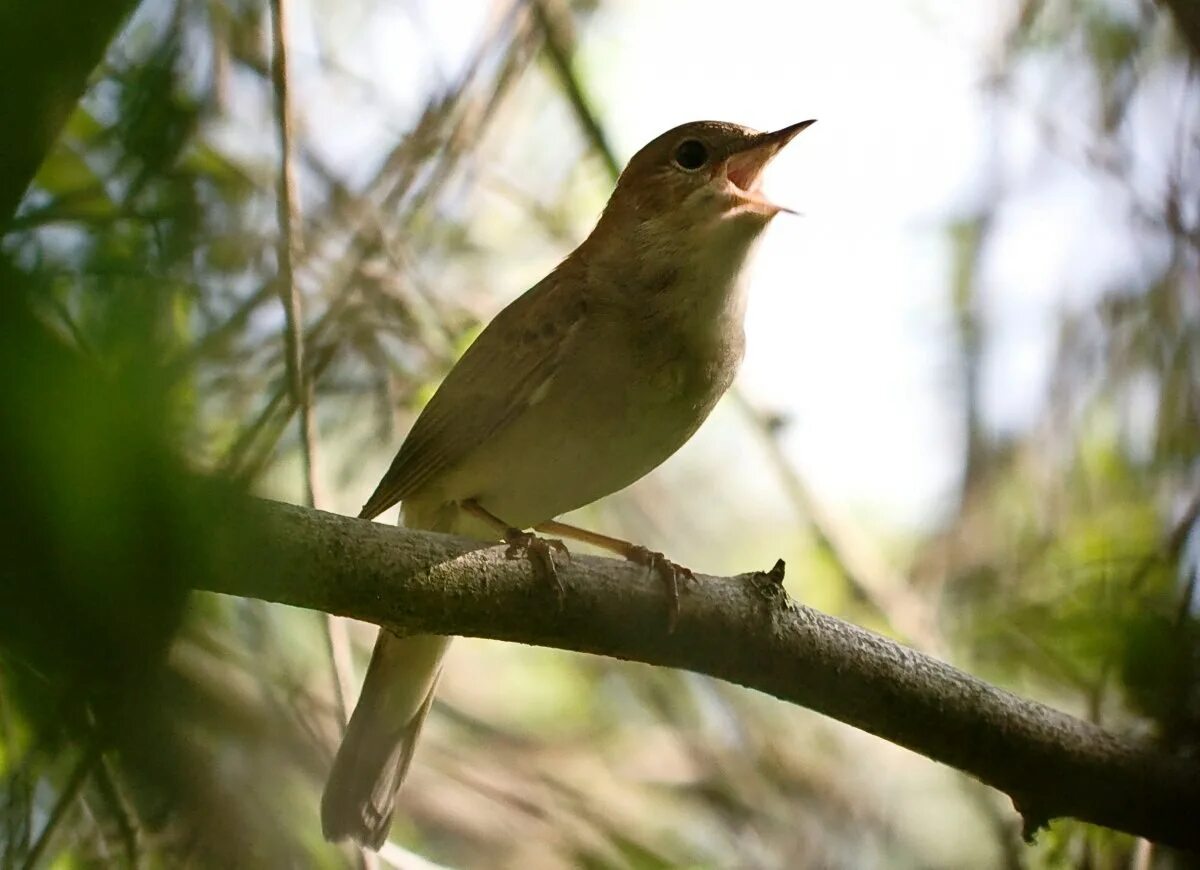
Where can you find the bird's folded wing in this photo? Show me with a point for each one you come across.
(495, 382)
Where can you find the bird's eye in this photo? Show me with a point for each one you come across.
(691, 154)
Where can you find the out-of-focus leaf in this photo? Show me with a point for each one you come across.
(65, 172)
(1112, 42)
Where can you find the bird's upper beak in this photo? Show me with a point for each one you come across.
(744, 165)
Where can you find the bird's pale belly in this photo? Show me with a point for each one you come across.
(576, 445)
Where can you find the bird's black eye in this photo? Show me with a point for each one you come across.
(691, 154)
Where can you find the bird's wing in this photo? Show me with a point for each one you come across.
(493, 383)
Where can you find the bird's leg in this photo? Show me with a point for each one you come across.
(669, 572)
(539, 551)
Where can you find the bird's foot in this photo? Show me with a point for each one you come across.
(669, 572)
(540, 553)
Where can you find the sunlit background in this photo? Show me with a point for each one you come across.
(969, 415)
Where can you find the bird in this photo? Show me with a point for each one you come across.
(578, 388)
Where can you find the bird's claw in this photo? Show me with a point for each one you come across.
(540, 553)
(669, 572)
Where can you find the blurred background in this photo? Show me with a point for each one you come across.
(969, 417)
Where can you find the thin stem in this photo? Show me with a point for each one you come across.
(66, 800)
(119, 808)
(553, 20)
(287, 205)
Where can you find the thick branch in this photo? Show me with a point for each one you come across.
(742, 629)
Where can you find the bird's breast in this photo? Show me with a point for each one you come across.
(640, 377)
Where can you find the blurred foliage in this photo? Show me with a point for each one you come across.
(140, 337)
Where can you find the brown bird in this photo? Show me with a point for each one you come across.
(581, 386)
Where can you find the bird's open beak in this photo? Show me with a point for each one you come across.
(744, 166)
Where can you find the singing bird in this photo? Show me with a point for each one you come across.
(581, 386)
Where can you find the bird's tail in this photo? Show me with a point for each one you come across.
(373, 759)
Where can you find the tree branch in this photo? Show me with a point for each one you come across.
(743, 629)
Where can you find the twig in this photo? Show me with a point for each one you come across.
(337, 644)
(119, 808)
(287, 202)
(552, 18)
(1171, 546)
(66, 800)
(218, 337)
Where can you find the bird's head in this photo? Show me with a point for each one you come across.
(698, 178)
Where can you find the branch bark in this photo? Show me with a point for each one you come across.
(743, 629)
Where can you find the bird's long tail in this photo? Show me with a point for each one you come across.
(377, 748)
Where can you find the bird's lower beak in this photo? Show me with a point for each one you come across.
(744, 166)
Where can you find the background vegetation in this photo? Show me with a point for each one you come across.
(145, 382)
